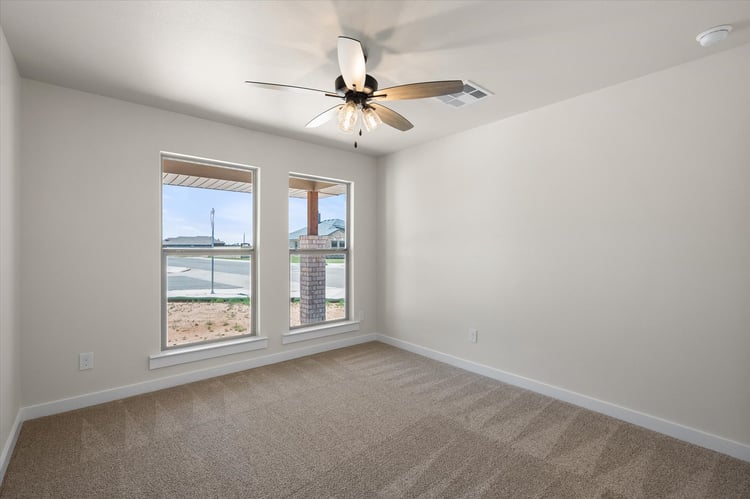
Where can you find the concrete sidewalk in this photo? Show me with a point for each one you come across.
(206, 293)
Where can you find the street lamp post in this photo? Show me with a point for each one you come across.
(212, 245)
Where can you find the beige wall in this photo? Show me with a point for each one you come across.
(601, 244)
(91, 233)
(10, 164)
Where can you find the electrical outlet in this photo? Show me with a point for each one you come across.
(85, 361)
(473, 335)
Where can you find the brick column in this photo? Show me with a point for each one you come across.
(312, 280)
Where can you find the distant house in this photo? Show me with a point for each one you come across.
(334, 228)
(191, 242)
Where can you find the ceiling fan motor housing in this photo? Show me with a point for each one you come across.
(371, 85)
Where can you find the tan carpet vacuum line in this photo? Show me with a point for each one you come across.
(364, 421)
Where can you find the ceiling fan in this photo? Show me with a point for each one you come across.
(360, 93)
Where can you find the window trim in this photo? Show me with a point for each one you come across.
(347, 251)
(206, 350)
(250, 251)
(319, 330)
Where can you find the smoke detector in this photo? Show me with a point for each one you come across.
(714, 35)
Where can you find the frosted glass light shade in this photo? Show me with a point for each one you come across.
(371, 119)
(348, 117)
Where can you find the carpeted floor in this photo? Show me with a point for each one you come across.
(364, 421)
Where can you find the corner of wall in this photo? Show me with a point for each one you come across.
(10, 334)
(380, 234)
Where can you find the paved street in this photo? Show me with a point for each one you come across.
(220, 264)
(191, 276)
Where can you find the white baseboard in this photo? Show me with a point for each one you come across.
(89, 399)
(687, 434)
(672, 429)
(10, 444)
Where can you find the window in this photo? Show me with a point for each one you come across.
(319, 247)
(208, 251)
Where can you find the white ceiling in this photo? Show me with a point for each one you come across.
(193, 57)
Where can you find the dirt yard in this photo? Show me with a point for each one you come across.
(189, 322)
(333, 311)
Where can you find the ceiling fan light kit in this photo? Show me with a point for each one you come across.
(360, 93)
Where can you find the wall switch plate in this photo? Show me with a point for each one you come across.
(85, 361)
(473, 335)
(361, 316)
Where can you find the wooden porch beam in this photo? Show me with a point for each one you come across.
(312, 213)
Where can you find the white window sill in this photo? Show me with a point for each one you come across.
(319, 331)
(207, 351)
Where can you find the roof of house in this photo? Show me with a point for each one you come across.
(325, 228)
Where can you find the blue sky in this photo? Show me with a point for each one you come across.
(186, 212)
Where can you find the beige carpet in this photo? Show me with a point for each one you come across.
(365, 421)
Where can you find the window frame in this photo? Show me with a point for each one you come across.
(347, 251)
(250, 251)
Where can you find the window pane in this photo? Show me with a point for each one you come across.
(318, 288)
(208, 298)
(208, 206)
(331, 210)
(190, 215)
(318, 211)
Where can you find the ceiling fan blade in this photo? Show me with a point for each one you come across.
(419, 90)
(352, 63)
(323, 117)
(392, 118)
(291, 88)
